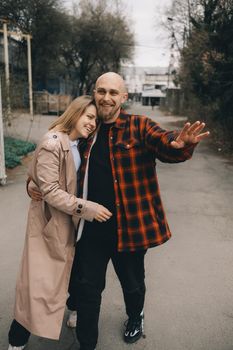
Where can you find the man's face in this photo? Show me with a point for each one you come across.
(109, 95)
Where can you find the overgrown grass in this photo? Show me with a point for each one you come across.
(15, 150)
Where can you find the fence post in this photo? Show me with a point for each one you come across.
(2, 153)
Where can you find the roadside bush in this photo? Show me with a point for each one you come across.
(15, 150)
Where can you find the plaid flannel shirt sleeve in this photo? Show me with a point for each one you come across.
(159, 141)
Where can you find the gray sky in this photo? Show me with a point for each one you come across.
(151, 38)
(152, 43)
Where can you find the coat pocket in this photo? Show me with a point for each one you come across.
(36, 220)
(56, 249)
(49, 229)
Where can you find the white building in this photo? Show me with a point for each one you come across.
(147, 84)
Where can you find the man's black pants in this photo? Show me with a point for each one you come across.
(93, 253)
(18, 335)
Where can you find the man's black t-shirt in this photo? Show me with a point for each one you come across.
(100, 178)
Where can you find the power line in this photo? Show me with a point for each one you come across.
(150, 46)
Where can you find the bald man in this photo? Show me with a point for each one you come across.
(118, 171)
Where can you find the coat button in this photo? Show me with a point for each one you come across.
(80, 206)
(78, 211)
(55, 136)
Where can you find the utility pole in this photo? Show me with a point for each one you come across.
(30, 75)
(7, 72)
(2, 153)
(172, 51)
(189, 17)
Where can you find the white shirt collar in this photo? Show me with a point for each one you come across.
(74, 143)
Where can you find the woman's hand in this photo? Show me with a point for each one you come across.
(103, 214)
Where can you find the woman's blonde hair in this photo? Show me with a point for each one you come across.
(66, 122)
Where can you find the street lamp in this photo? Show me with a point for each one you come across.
(170, 19)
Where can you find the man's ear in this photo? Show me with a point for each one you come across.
(124, 97)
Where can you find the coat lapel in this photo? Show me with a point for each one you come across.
(71, 176)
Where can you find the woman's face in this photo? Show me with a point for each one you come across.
(86, 124)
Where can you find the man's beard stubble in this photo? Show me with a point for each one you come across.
(106, 117)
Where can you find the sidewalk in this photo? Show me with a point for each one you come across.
(189, 279)
(23, 128)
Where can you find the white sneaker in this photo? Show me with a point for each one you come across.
(72, 319)
(16, 347)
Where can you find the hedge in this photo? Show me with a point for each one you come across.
(15, 149)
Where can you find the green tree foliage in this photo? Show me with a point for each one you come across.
(47, 23)
(206, 72)
(101, 39)
(95, 39)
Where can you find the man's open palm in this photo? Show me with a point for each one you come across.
(190, 134)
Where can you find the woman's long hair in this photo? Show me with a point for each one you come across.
(66, 122)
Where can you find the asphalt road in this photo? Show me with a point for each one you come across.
(189, 302)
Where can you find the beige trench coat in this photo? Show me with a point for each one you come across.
(43, 279)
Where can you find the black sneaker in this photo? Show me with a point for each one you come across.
(134, 329)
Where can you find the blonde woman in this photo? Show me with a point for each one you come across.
(43, 279)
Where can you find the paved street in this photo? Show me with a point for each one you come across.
(189, 302)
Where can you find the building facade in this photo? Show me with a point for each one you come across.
(147, 84)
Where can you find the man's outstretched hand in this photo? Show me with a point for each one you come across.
(190, 134)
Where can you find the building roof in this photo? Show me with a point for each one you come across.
(153, 93)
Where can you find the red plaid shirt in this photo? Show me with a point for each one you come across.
(135, 142)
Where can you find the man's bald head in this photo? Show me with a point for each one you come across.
(113, 78)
